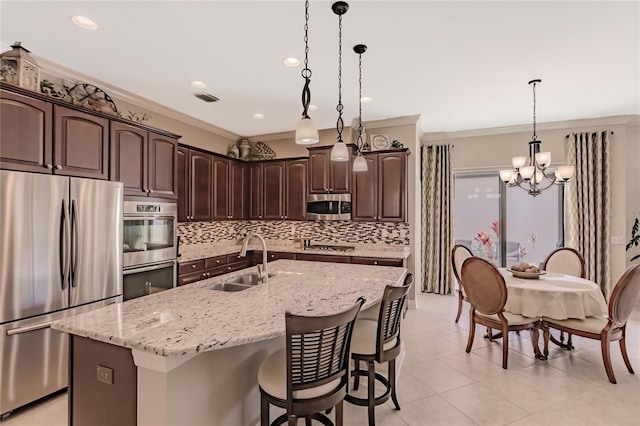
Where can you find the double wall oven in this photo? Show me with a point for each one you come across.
(149, 248)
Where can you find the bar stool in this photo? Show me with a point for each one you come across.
(379, 342)
(310, 374)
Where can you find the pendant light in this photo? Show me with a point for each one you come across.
(340, 151)
(306, 131)
(360, 164)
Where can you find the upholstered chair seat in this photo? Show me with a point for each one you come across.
(364, 337)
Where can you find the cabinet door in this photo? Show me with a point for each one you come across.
(25, 133)
(163, 167)
(238, 190)
(392, 181)
(256, 191)
(365, 194)
(273, 184)
(319, 165)
(81, 144)
(220, 189)
(184, 213)
(340, 176)
(295, 190)
(201, 170)
(129, 158)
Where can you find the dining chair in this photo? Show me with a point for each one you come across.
(565, 260)
(459, 254)
(606, 329)
(379, 342)
(487, 294)
(311, 374)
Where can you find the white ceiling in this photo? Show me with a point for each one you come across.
(461, 65)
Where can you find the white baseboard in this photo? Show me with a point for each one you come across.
(412, 304)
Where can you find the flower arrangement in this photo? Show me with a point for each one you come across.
(486, 242)
(635, 239)
(523, 253)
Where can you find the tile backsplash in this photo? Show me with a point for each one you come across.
(343, 231)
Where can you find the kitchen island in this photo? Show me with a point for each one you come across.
(197, 351)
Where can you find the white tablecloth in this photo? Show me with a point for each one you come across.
(554, 295)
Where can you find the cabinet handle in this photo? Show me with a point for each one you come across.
(218, 261)
(375, 262)
(58, 166)
(273, 256)
(229, 268)
(193, 266)
(259, 217)
(49, 166)
(149, 191)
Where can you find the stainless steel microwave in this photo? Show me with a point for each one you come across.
(329, 206)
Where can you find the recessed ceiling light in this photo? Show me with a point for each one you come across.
(258, 115)
(366, 99)
(312, 107)
(84, 22)
(198, 84)
(291, 62)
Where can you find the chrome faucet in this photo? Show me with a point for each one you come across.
(262, 269)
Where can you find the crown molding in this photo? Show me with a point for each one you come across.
(63, 72)
(392, 122)
(555, 125)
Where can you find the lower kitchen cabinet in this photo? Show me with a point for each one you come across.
(271, 256)
(323, 258)
(377, 261)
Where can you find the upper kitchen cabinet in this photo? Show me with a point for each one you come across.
(230, 189)
(144, 161)
(256, 191)
(78, 147)
(26, 142)
(380, 193)
(326, 176)
(195, 185)
(285, 189)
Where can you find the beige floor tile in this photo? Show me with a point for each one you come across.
(515, 359)
(433, 411)
(51, 411)
(483, 406)
(473, 366)
(384, 416)
(438, 376)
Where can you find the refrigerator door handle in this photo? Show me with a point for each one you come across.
(65, 242)
(28, 329)
(74, 246)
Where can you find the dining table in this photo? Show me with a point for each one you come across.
(554, 295)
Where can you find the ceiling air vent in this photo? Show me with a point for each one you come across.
(206, 97)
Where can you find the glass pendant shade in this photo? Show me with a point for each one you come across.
(566, 172)
(360, 164)
(518, 162)
(340, 152)
(306, 132)
(543, 159)
(506, 175)
(527, 172)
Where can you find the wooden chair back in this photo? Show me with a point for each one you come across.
(624, 296)
(318, 350)
(459, 254)
(565, 260)
(389, 319)
(484, 286)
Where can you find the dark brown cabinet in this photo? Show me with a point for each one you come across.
(323, 258)
(377, 261)
(145, 162)
(230, 189)
(285, 190)
(256, 191)
(273, 190)
(380, 193)
(195, 185)
(78, 147)
(326, 176)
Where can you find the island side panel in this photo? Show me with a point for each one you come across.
(112, 400)
(213, 388)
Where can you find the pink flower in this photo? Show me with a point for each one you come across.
(484, 239)
(495, 227)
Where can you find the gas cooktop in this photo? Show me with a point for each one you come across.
(322, 247)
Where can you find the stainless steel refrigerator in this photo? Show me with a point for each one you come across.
(60, 254)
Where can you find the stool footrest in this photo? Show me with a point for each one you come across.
(364, 401)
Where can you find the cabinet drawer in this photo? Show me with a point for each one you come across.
(192, 277)
(213, 262)
(272, 255)
(376, 261)
(234, 266)
(218, 270)
(232, 258)
(323, 258)
(193, 266)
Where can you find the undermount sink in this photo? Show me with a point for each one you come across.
(239, 283)
(247, 279)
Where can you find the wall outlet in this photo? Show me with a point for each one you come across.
(617, 239)
(105, 374)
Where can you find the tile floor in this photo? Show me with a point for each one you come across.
(440, 384)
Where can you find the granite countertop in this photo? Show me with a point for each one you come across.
(204, 250)
(193, 318)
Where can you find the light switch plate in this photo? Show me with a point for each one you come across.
(617, 239)
(105, 374)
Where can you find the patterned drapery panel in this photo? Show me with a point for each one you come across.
(437, 218)
(588, 203)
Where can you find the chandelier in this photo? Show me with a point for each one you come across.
(340, 152)
(360, 164)
(532, 174)
(306, 131)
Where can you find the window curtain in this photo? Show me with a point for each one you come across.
(588, 203)
(437, 218)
